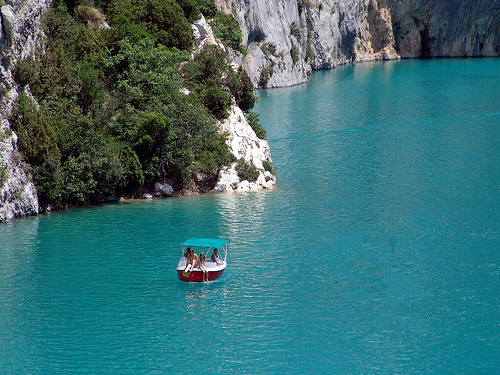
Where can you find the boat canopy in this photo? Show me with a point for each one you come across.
(205, 242)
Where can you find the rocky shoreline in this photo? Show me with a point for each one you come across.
(284, 41)
(19, 30)
(20, 25)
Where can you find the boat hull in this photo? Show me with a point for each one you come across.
(196, 276)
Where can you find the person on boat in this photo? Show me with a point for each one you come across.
(216, 259)
(203, 267)
(191, 260)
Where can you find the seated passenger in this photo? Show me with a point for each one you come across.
(202, 266)
(191, 260)
(215, 258)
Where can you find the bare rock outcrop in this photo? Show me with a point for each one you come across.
(18, 195)
(19, 30)
(446, 28)
(275, 55)
(241, 138)
(244, 144)
(286, 39)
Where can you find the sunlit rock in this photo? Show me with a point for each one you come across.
(244, 144)
(163, 189)
(286, 39)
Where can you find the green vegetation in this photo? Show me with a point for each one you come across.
(294, 53)
(309, 50)
(268, 48)
(253, 121)
(269, 166)
(3, 176)
(247, 170)
(3, 90)
(265, 75)
(110, 113)
(227, 29)
(210, 77)
(295, 31)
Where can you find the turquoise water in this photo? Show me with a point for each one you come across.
(378, 251)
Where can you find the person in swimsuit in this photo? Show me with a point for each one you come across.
(191, 260)
(203, 267)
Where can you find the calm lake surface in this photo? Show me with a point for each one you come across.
(378, 251)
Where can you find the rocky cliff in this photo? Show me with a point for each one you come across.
(241, 138)
(446, 28)
(244, 144)
(286, 39)
(19, 30)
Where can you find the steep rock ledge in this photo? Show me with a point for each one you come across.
(19, 30)
(440, 28)
(275, 56)
(17, 193)
(244, 143)
(285, 40)
(241, 138)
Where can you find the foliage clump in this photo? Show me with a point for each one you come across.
(265, 75)
(253, 121)
(295, 31)
(210, 76)
(294, 54)
(109, 114)
(227, 29)
(269, 166)
(247, 170)
(3, 176)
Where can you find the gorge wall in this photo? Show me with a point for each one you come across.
(19, 30)
(287, 39)
(20, 35)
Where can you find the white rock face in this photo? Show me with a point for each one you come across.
(8, 23)
(244, 143)
(203, 34)
(266, 29)
(20, 21)
(18, 196)
(288, 38)
(242, 140)
(20, 28)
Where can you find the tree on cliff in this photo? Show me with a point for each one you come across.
(110, 115)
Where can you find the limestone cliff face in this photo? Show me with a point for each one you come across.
(19, 30)
(275, 55)
(241, 138)
(446, 28)
(244, 143)
(286, 39)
